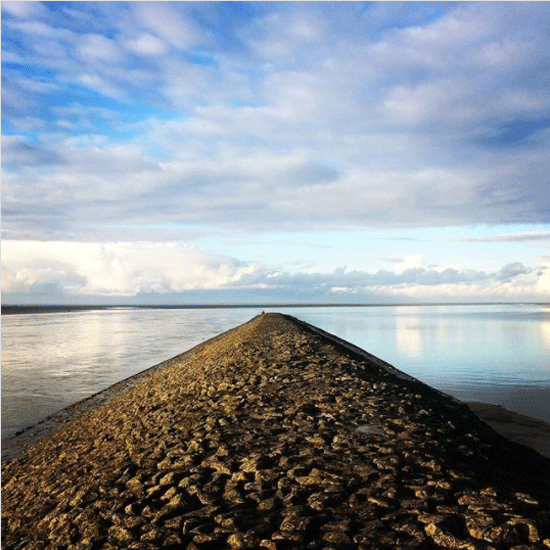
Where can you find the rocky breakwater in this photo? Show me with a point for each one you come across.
(275, 435)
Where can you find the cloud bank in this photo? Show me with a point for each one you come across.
(167, 122)
(127, 270)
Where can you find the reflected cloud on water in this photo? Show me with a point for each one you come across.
(409, 337)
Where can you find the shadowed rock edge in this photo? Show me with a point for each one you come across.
(276, 435)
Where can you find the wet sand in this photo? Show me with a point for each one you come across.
(274, 435)
(518, 427)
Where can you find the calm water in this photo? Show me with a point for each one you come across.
(493, 353)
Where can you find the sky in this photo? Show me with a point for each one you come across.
(278, 152)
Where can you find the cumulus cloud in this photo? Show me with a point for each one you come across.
(129, 269)
(114, 269)
(98, 47)
(169, 23)
(543, 282)
(146, 44)
(23, 10)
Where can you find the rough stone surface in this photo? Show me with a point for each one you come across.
(274, 435)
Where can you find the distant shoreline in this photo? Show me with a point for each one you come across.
(60, 308)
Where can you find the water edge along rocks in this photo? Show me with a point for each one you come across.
(276, 435)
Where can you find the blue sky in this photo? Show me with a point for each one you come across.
(275, 152)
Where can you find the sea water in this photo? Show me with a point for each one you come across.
(492, 353)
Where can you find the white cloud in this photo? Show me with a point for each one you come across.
(23, 10)
(146, 44)
(132, 268)
(448, 100)
(114, 269)
(224, 184)
(28, 124)
(98, 47)
(169, 23)
(543, 284)
(503, 54)
(464, 25)
(101, 85)
(411, 262)
(281, 35)
(37, 30)
(36, 86)
(343, 290)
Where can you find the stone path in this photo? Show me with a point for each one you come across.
(275, 436)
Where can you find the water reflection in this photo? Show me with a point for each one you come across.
(52, 360)
(494, 353)
(408, 331)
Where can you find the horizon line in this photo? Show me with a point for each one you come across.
(22, 308)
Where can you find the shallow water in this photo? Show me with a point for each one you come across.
(493, 353)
